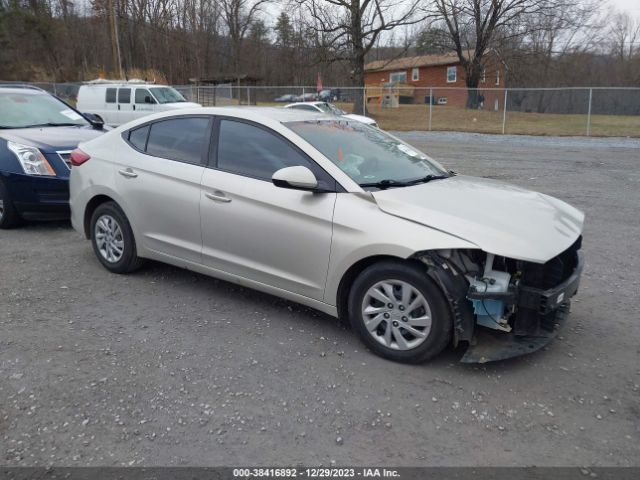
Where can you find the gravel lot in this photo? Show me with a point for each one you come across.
(168, 367)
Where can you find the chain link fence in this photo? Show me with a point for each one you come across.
(561, 111)
(597, 111)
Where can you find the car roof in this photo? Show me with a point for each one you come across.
(263, 115)
(279, 114)
(124, 84)
(24, 90)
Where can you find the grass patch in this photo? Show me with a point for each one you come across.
(416, 117)
(447, 118)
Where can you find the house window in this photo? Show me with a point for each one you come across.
(452, 74)
(483, 75)
(398, 77)
(415, 74)
(497, 77)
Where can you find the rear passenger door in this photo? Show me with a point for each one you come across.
(159, 178)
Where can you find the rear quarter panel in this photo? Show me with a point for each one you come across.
(96, 177)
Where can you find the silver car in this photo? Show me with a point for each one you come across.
(336, 215)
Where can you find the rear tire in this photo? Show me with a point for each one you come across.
(399, 312)
(9, 216)
(112, 239)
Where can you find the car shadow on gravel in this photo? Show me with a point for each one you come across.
(304, 317)
(233, 293)
(45, 226)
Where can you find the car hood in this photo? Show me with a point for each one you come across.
(51, 139)
(499, 218)
(360, 118)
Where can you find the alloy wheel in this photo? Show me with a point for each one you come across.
(396, 314)
(109, 238)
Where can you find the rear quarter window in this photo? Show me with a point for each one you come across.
(138, 137)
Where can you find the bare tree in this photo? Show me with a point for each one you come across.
(346, 30)
(624, 33)
(477, 26)
(553, 45)
(239, 16)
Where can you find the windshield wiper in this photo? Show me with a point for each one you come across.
(383, 184)
(53, 124)
(388, 183)
(426, 179)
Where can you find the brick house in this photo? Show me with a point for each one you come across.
(414, 76)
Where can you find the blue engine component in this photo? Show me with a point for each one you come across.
(488, 312)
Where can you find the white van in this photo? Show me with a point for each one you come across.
(119, 103)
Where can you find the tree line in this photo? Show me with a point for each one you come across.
(541, 42)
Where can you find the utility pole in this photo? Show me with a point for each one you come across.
(115, 41)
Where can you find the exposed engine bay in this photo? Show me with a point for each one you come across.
(516, 306)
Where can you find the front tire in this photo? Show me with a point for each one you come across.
(9, 216)
(399, 312)
(112, 239)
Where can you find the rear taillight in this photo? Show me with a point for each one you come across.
(78, 157)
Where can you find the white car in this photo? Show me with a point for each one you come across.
(338, 216)
(325, 107)
(118, 103)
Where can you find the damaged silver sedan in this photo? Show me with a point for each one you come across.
(339, 216)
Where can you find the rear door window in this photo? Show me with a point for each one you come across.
(124, 95)
(180, 139)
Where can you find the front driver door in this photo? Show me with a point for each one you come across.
(255, 230)
(144, 103)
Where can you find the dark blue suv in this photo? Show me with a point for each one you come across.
(37, 134)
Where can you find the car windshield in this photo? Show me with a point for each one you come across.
(368, 155)
(167, 95)
(328, 108)
(33, 108)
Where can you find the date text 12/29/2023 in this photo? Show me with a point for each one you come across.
(316, 472)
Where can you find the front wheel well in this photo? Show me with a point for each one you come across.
(342, 297)
(94, 203)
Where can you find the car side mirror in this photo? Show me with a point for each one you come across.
(148, 99)
(296, 178)
(96, 121)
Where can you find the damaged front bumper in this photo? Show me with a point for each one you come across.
(539, 316)
(492, 346)
(535, 313)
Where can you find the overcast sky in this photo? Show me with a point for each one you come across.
(632, 6)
